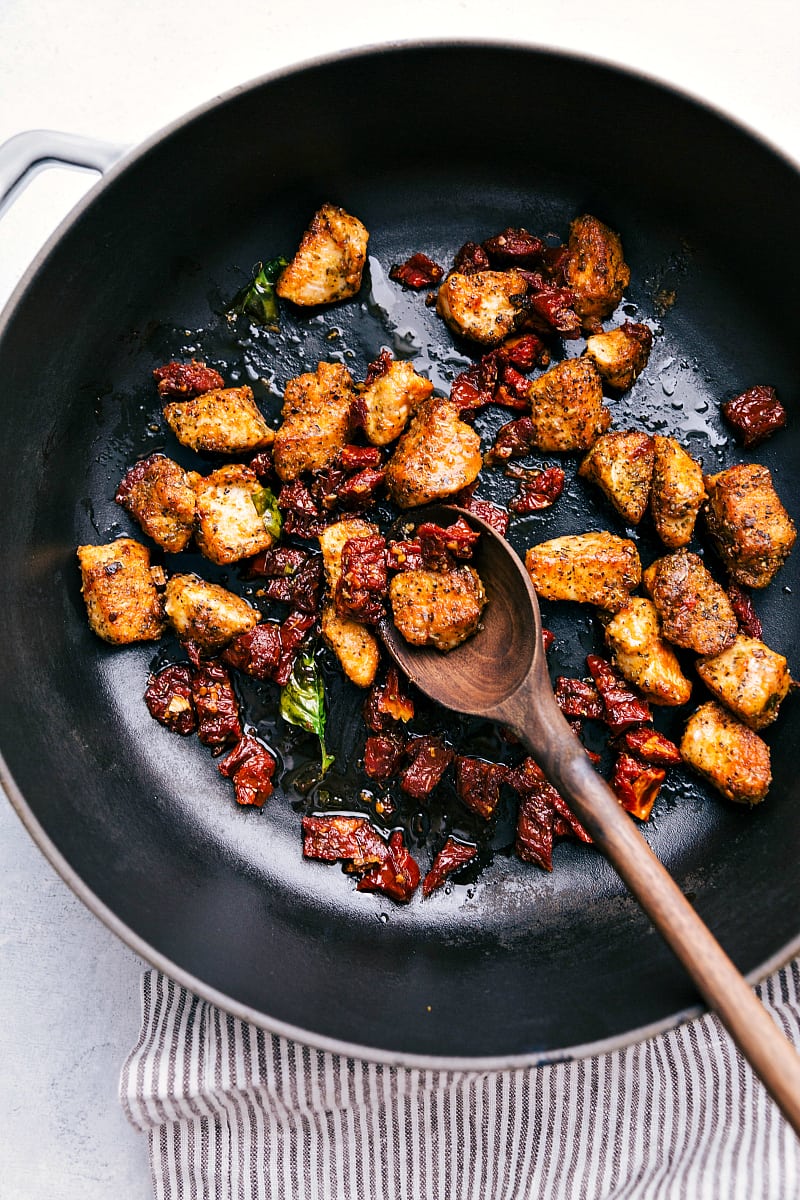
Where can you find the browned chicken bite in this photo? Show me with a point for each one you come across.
(621, 354)
(225, 421)
(229, 525)
(752, 531)
(437, 608)
(118, 588)
(157, 492)
(595, 268)
(354, 645)
(621, 464)
(642, 655)
(329, 261)
(567, 407)
(485, 307)
(316, 420)
(389, 401)
(677, 492)
(588, 568)
(437, 456)
(729, 755)
(207, 613)
(695, 611)
(749, 679)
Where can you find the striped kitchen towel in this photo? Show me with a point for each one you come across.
(234, 1113)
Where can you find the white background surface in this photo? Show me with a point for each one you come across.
(68, 990)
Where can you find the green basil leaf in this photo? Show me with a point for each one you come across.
(257, 298)
(267, 508)
(303, 702)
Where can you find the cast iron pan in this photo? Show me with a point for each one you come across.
(429, 146)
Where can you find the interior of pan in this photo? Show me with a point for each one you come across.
(429, 146)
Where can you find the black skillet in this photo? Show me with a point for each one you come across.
(429, 146)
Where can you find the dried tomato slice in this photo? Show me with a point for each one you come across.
(755, 415)
(478, 784)
(538, 489)
(417, 272)
(428, 759)
(251, 767)
(186, 379)
(651, 746)
(339, 838)
(215, 703)
(451, 858)
(636, 784)
(746, 615)
(396, 876)
(622, 707)
(169, 698)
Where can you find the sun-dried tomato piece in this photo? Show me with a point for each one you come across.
(301, 514)
(514, 440)
(293, 631)
(554, 261)
(451, 858)
(746, 615)
(565, 823)
(497, 518)
(169, 698)
(636, 784)
(537, 490)
(553, 307)
(622, 707)
(187, 379)
(362, 586)
(292, 576)
(476, 386)
(440, 545)
(386, 704)
(651, 746)
(339, 838)
(428, 759)
(406, 556)
(383, 754)
(419, 271)
(261, 463)
(256, 652)
(578, 698)
(534, 837)
(397, 876)
(358, 492)
(755, 414)
(548, 637)
(214, 699)
(513, 390)
(251, 767)
(378, 367)
(357, 458)
(478, 784)
(524, 351)
(515, 247)
(471, 258)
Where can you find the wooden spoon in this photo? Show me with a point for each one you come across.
(501, 673)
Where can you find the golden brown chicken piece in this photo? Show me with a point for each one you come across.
(316, 420)
(484, 307)
(388, 403)
(642, 655)
(621, 464)
(229, 525)
(695, 611)
(332, 541)
(749, 679)
(588, 568)
(567, 407)
(677, 492)
(329, 261)
(595, 269)
(437, 608)
(207, 613)
(354, 645)
(729, 755)
(118, 588)
(752, 531)
(157, 492)
(621, 354)
(435, 458)
(225, 421)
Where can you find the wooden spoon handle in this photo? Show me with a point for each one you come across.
(772, 1056)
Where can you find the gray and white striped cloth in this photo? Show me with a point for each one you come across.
(233, 1112)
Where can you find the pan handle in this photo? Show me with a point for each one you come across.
(25, 154)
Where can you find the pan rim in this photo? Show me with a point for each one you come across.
(91, 901)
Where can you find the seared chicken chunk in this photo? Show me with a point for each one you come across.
(595, 269)
(621, 354)
(157, 492)
(388, 403)
(437, 608)
(642, 655)
(621, 464)
(229, 526)
(118, 588)
(751, 530)
(354, 645)
(588, 568)
(567, 406)
(207, 613)
(749, 679)
(316, 420)
(225, 421)
(695, 611)
(332, 542)
(485, 307)
(329, 261)
(728, 754)
(677, 492)
(437, 456)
